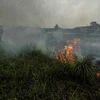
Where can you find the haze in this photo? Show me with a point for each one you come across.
(47, 13)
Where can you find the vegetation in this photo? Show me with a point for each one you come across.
(35, 76)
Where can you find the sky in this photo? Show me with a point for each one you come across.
(48, 13)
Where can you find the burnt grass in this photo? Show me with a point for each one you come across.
(35, 76)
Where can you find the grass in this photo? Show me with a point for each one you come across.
(35, 76)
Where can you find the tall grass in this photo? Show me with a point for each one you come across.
(35, 76)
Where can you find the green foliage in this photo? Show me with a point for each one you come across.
(83, 70)
(35, 76)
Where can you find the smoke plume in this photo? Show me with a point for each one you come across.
(22, 21)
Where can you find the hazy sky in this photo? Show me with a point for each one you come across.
(47, 13)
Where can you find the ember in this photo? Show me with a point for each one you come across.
(98, 73)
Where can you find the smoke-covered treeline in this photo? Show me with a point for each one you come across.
(17, 37)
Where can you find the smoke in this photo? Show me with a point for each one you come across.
(16, 38)
(47, 13)
(21, 20)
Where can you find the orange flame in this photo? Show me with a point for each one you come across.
(98, 73)
(67, 53)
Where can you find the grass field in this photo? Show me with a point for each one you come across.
(35, 76)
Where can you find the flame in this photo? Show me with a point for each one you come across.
(67, 53)
(98, 73)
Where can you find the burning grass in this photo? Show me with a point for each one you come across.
(35, 76)
(67, 53)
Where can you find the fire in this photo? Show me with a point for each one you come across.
(67, 53)
(98, 73)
